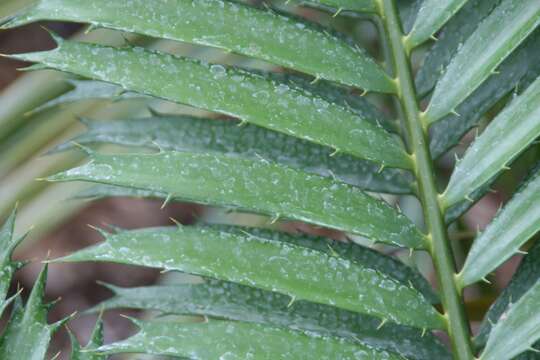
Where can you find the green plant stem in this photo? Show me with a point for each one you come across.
(417, 139)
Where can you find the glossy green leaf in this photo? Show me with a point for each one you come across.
(516, 223)
(185, 133)
(249, 97)
(227, 25)
(494, 39)
(254, 185)
(525, 277)
(346, 250)
(433, 14)
(8, 242)
(516, 72)
(517, 329)
(338, 6)
(301, 273)
(239, 341)
(96, 340)
(453, 34)
(242, 303)
(27, 335)
(512, 131)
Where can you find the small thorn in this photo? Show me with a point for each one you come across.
(454, 112)
(364, 92)
(337, 12)
(423, 332)
(293, 299)
(101, 231)
(505, 167)
(176, 222)
(333, 175)
(382, 324)
(486, 280)
(167, 201)
(274, 219)
(86, 149)
(433, 37)
(381, 168)
(332, 251)
(469, 199)
(91, 28)
(316, 80)
(242, 123)
(521, 252)
(411, 250)
(335, 152)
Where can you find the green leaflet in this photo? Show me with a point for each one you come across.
(494, 39)
(249, 97)
(349, 251)
(525, 277)
(513, 226)
(516, 72)
(433, 14)
(27, 334)
(301, 273)
(239, 341)
(454, 33)
(242, 303)
(512, 131)
(185, 133)
(254, 185)
(88, 89)
(96, 340)
(517, 329)
(7, 267)
(227, 25)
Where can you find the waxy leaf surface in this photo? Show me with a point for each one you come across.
(250, 97)
(299, 272)
(185, 133)
(227, 25)
(253, 185)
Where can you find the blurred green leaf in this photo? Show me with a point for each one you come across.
(494, 39)
(432, 15)
(516, 223)
(27, 334)
(517, 329)
(300, 272)
(518, 71)
(525, 277)
(453, 34)
(512, 131)
(8, 242)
